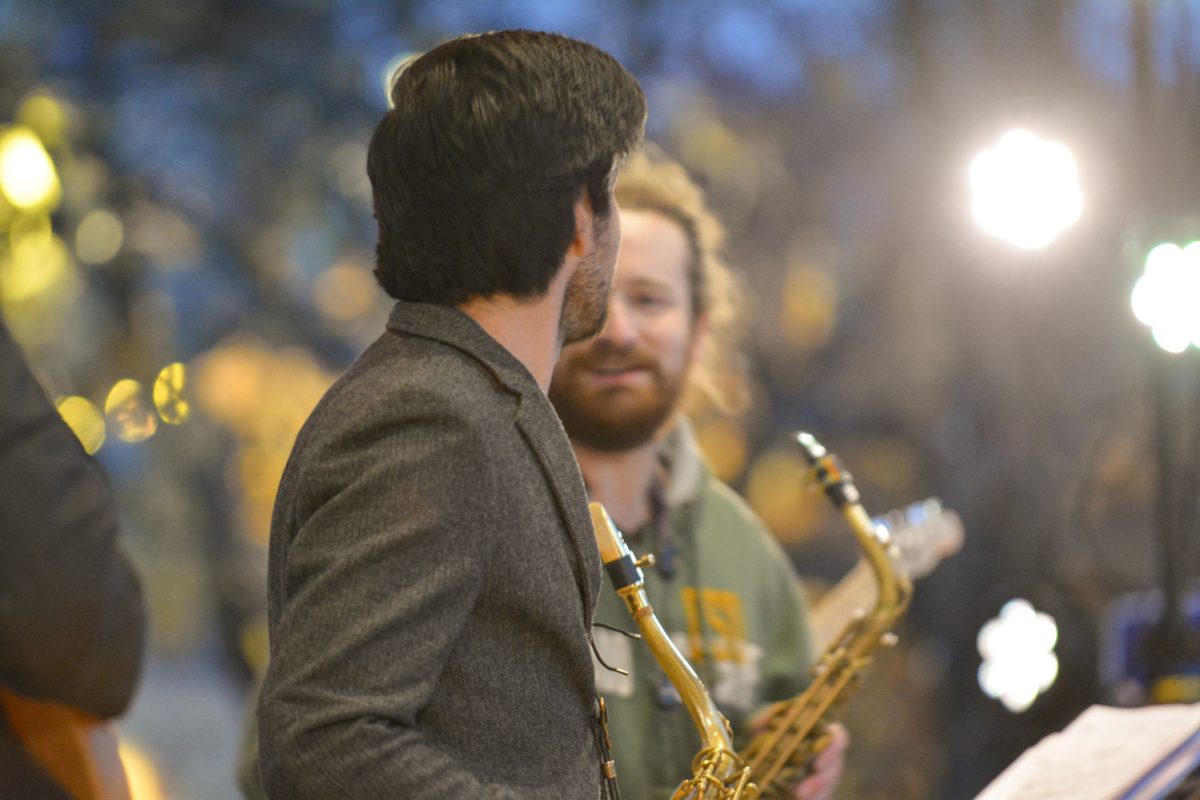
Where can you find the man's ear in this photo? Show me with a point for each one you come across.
(585, 219)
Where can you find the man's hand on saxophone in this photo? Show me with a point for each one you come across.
(827, 767)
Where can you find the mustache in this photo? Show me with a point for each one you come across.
(603, 356)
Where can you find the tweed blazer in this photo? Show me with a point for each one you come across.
(432, 580)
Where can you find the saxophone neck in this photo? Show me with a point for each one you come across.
(894, 586)
(720, 773)
(827, 472)
(798, 728)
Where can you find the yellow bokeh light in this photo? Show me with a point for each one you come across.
(344, 292)
(264, 396)
(27, 175)
(144, 780)
(84, 419)
(777, 490)
(723, 442)
(36, 262)
(168, 394)
(261, 467)
(46, 116)
(231, 382)
(887, 464)
(163, 235)
(99, 237)
(809, 303)
(255, 646)
(129, 413)
(712, 144)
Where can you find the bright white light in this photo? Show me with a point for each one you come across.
(1025, 189)
(1018, 655)
(1167, 296)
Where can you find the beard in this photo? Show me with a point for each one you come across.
(616, 419)
(585, 304)
(585, 301)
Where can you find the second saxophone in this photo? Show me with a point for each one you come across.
(796, 730)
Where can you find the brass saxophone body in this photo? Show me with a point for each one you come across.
(718, 773)
(796, 729)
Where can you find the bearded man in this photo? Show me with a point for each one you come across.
(722, 587)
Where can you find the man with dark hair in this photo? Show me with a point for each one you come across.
(433, 572)
(722, 587)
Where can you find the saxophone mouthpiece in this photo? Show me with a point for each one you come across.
(813, 450)
(618, 559)
(827, 471)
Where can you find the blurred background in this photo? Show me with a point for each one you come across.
(941, 209)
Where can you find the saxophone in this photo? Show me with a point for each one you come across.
(718, 772)
(796, 729)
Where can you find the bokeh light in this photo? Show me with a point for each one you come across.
(46, 116)
(99, 237)
(1166, 298)
(809, 306)
(723, 442)
(778, 491)
(1025, 190)
(128, 411)
(163, 235)
(144, 781)
(168, 394)
(27, 175)
(345, 292)
(37, 260)
(349, 165)
(264, 396)
(1018, 655)
(84, 419)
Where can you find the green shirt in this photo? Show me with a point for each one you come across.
(733, 607)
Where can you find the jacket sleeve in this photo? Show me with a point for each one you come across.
(381, 572)
(72, 624)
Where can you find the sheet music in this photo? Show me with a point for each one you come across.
(1102, 755)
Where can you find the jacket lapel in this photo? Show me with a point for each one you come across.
(541, 428)
(536, 420)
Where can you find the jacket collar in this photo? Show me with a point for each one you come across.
(534, 417)
(449, 325)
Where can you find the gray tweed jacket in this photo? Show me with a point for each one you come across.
(432, 580)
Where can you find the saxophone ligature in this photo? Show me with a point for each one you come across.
(718, 773)
(797, 729)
